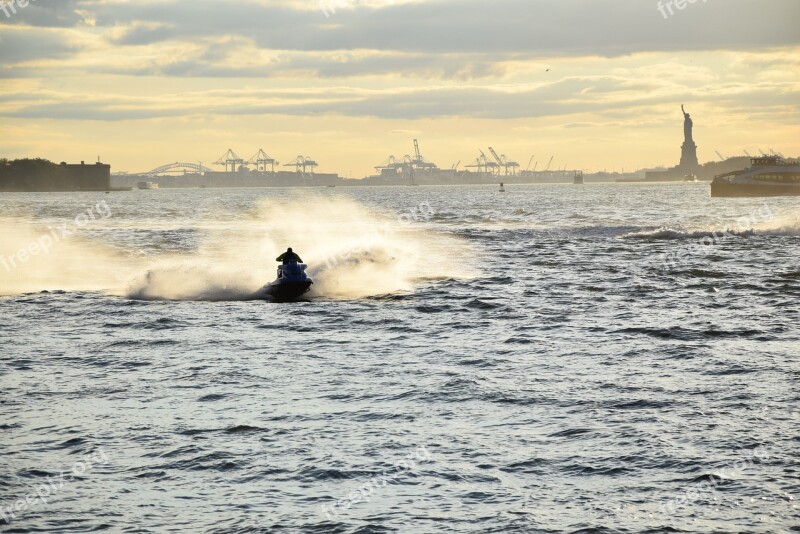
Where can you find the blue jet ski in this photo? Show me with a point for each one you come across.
(291, 284)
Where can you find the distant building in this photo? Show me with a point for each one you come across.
(82, 177)
(37, 175)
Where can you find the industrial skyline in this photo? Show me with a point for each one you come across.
(495, 163)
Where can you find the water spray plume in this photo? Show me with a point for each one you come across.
(352, 252)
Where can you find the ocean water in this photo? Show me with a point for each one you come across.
(595, 359)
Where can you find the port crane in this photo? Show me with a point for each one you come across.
(261, 160)
(302, 164)
(488, 166)
(409, 165)
(529, 163)
(499, 161)
(230, 160)
(549, 163)
(418, 161)
(390, 164)
(482, 164)
(721, 157)
(502, 161)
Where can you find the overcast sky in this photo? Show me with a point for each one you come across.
(596, 83)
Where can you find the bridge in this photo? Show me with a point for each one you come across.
(174, 168)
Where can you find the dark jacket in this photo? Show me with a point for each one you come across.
(289, 257)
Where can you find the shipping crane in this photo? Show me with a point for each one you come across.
(496, 157)
(549, 163)
(481, 163)
(261, 160)
(418, 161)
(302, 163)
(230, 160)
(390, 164)
(529, 164)
(489, 166)
(502, 161)
(499, 160)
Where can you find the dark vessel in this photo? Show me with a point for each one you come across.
(768, 176)
(578, 178)
(291, 284)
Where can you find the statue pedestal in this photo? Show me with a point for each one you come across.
(689, 159)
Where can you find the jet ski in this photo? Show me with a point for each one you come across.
(291, 284)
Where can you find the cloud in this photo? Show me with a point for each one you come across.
(493, 31)
(428, 40)
(21, 46)
(615, 98)
(46, 13)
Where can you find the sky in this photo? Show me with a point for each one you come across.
(596, 84)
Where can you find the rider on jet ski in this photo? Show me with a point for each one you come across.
(292, 281)
(289, 257)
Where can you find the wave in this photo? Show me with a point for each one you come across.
(667, 233)
(787, 225)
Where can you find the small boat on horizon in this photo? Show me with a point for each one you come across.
(147, 185)
(578, 178)
(502, 188)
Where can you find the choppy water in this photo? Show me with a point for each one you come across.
(552, 359)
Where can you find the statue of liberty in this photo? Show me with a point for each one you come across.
(689, 149)
(688, 124)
